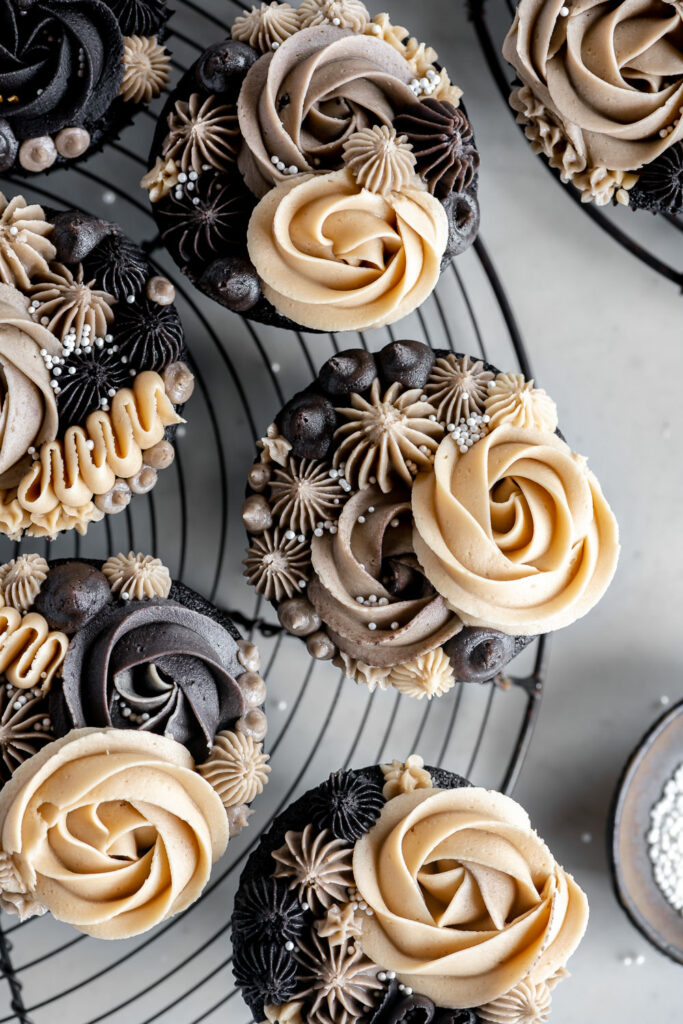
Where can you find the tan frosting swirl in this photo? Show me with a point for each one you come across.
(28, 410)
(302, 102)
(112, 830)
(467, 900)
(353, 563)
(516, 533)
(612, 73)
(334, 257)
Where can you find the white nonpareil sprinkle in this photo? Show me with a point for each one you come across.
(665, 841)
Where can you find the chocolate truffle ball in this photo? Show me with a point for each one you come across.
(406, 362)
(308, 422)
(71, 595)
(351, 370)
(222, 66)
(462, 210)
(233, 282)
(477, 655)
(75, 235)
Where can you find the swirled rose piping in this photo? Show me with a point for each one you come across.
(612, 73)
(302, 102)
(516, 533)
(113, 831)
(466, 899)
(387, 628)
(336, 257)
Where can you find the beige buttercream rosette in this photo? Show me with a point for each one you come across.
(466, 900)
(602, 87)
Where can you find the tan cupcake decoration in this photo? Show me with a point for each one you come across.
(333, 188)
(410, 892)
(131, 733)
(417, 518)
(86, 350)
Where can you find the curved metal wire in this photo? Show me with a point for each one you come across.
(181, 970)
(491, 19)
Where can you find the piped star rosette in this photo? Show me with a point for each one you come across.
(599, 91)
(94, 370)
(402, 892)
(72, 75)
(417, 517)
(316, 169)
(131, 741)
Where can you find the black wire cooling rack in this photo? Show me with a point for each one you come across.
(656, 241)
(180, 972)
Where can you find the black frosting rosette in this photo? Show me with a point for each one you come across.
(376, 122)
(154, 665)
(72, 74)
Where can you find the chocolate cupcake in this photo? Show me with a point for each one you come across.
(316, 169)
(151, 690)
(403, 893)
(72, 75)
(417, 517)
(607, 117)
(94, 371)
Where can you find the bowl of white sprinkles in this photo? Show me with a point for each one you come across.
(646, 840)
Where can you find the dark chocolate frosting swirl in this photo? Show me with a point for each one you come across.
(442, 140)
(60, 63)
(151, 665)
(150, 336)
(207, 222)
(139, 17)
(87, 382)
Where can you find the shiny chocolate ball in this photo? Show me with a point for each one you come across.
(71, 595)
(9, 145)
(348, 371)
(478, 654)
(406, 362)
(222, 66)
(462, 209)
(308, 422)
(233, 282)
(75, 234)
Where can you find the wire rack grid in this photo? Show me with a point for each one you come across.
(180, 972)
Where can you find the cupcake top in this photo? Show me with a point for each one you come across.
(93, 370)
(73, 74)
(401, 891)
(417, 516)
(600, 95)
(316, 169)
(151, 690)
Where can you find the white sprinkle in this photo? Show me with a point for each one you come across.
(372, 626)
(182, 177)
(394, 625)
(665, 840)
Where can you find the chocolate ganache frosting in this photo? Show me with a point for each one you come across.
(58, 63)
(152, 665)
(369, 588)
(302, 102)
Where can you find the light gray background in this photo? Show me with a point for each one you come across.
(605, 339)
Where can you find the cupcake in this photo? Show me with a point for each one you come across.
(399, 893)
(417, 517)
(605, 114)
(93, 370)
(131, 735)
(316, 169)
(73, 75)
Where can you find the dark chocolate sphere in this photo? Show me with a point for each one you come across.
(462, 209)
(223, 65)
(351, 370)
(71, 595)
(308, 422)
(477, 654)
(406, 362)
(9, 145)
(233, 282)
(75, 235)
